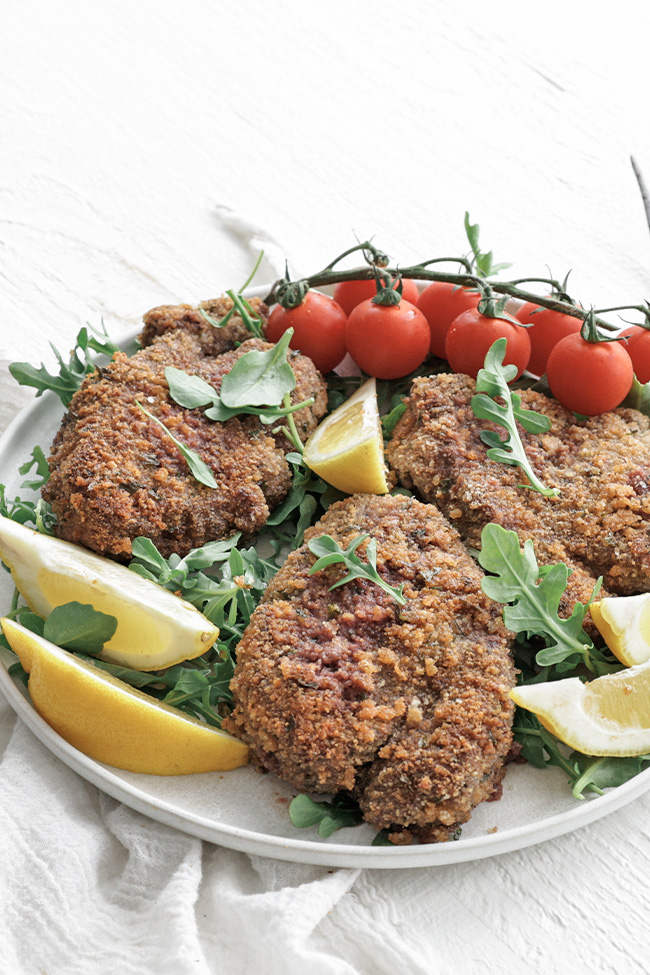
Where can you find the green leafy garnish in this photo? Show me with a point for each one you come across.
(308, 497)
(72, 373)
(329, 552)
(257, 384)
(532, 597)
(75, 626)
(341, 812)
(24, 511)
(227, 596)
(199, 468)
(484, 264)
(329, 816)
(390, 420)
(260, 378)
(240, 306)
(72, 626)
(586, 773)
(638, 398)
(42, 473)
(492, 382)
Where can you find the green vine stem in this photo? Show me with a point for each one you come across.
(465, 279)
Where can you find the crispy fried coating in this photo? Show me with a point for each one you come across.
(600, 522)
(405, 707)
(193, 321)
(115, 475)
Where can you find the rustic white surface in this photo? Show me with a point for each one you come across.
(123, 128)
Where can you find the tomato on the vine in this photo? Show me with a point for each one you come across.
(589, 377)
(387, 341)
(546, 329)
(470, 336)
(318, 329)
(349, 294)
(440, 303)
(637, 343)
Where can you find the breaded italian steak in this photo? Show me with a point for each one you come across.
(116, 475)
(404, 707)
(599, 524)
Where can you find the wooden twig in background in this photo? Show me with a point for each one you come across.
(644, 189)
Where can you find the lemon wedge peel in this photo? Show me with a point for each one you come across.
(624, 624)
(114, 723)
(608, 716)
(155, 628)
(347, 447)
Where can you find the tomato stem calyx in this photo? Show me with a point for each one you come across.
(291, 294)
(591, 333)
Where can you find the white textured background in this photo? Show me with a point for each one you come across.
(123, 125)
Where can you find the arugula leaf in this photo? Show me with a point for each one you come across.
(307, 495)
(227, 596)
(42, 473)
(532, 597)
(199, 468)
(243, 308)
(72, 373)
(72, 626)
(199, 687)
(484, 263)
(390, 420)
(329, 552)
(492, 381)
(24, 511)
(260, 378)
(189, 391)
(638, 398)
(175, 571)
(75, 626)
(598, 774)
(258, 383)
(586, 773)
(329, 816)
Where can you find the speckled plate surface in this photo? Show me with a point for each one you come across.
(247, 811)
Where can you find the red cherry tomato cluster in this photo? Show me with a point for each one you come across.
(389, 341)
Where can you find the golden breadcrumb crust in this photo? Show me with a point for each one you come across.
(405, 707)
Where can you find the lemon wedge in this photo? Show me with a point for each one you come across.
(624, 623)
(347, 448)
(606, 716)
(112, 722)
(155, 628)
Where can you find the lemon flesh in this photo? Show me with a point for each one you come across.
(624, 623)
(155, 629)
(606, 716)
(347, 448)
(112, 722)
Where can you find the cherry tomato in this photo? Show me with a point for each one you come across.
(638, 349)
(349, 294)
(471, 335)
(319, 329)
(440, 303)
(387, 341)
(546, 329)
(589, 377)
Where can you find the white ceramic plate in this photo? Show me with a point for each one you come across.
(247, 811)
